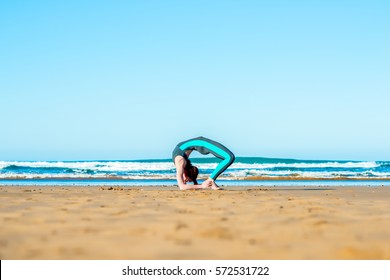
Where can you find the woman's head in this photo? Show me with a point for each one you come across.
(191, 172)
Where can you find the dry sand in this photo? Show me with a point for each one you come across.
(165, 223)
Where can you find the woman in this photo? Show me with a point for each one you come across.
(186, 172)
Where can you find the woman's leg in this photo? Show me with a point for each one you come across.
(223, 165)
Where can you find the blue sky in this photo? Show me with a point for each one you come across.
(84, 80)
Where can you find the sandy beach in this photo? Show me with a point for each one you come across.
(55, 222)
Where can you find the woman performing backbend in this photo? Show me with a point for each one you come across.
(186, 172)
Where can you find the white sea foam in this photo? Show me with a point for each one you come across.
(363, 164)
(93, 165)
(166, 169)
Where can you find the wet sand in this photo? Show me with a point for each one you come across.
(165, 223)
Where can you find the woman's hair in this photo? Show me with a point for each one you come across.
(192, 172)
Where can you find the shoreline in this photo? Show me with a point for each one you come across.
(162, 222)
(248, 178)
(223, 183)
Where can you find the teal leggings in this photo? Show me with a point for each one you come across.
(207, 146)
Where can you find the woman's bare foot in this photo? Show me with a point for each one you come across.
(207, 184)
(214, 186)
(210, 184)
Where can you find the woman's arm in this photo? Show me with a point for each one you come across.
(180, 164)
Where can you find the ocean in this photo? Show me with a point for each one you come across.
(244, 171)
